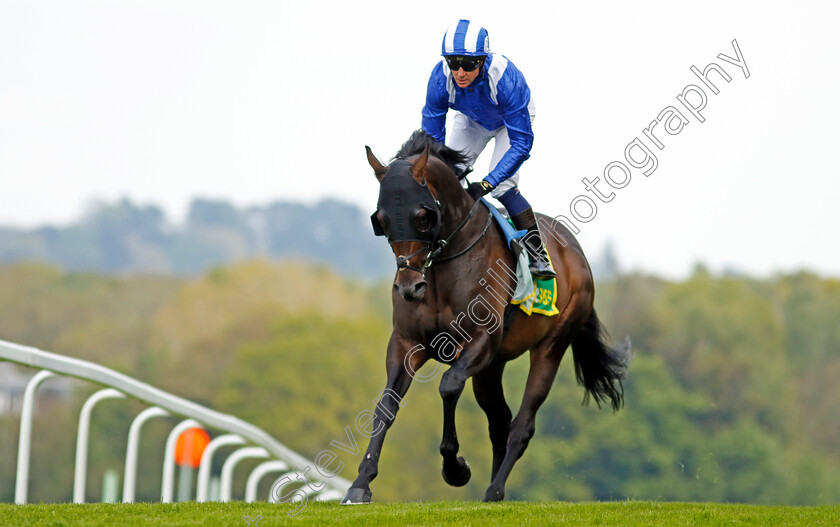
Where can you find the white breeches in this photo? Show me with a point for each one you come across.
(471, 138)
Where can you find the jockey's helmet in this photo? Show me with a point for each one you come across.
(466, 38)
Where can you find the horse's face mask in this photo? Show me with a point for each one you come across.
(406, 210)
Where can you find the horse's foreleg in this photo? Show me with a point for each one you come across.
(487, 387)
(456, 471)
(399, 379)
(540, 377)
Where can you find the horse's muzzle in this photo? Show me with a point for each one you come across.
(411, 285)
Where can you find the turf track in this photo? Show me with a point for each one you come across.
(460, 514)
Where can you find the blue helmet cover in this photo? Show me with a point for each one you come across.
(466, 38)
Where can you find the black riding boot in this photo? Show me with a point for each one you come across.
(540, 267)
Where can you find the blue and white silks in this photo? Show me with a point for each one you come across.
(498, 97)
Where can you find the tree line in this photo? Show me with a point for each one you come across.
(123, 237)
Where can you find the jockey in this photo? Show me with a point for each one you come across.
(493, 101)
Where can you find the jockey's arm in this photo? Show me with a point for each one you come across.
(518, 124)
(434, 112)
(514, 96)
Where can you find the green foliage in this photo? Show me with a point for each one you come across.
(731, 395)
(309, 364)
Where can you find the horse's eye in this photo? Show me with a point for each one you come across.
(423, 220)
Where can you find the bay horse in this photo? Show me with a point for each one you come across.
(453, 284)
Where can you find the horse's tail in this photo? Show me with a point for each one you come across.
(600, 368)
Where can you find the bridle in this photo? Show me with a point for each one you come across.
(437, 246)
(408, 211)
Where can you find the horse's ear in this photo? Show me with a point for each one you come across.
(418, 168)
(378, 169)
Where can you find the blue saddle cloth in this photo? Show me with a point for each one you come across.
(510, 232)
(525, 292)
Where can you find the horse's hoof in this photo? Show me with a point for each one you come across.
(357, 497)
(494, 495)
(461, 477)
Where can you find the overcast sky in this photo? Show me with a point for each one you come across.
(164, 101)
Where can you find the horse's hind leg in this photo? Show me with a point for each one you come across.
(487, 386)
(545, 360)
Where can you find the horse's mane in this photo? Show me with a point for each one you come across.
(418, 141)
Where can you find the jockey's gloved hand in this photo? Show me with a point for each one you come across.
(479, 189)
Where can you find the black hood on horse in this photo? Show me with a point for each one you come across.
(399, 214)
(409, 211)
(406, 210)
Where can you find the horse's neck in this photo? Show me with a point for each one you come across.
(471, 286)
(489, 246)
(455, 203)
(455, 216)
(456, 206)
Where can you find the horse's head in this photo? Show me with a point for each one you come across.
(408, 215)
(421, 203)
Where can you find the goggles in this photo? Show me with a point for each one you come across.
(457, 62)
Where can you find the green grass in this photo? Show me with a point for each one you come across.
(461, 514)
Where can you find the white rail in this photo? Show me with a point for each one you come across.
(132, 448)
(203, 485)
(22, 478)
(80, 476)
(51, 363)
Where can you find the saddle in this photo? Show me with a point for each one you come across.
(531, 296)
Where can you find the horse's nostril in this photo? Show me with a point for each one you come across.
(419, 287)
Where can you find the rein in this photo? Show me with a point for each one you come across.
(440, 245)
